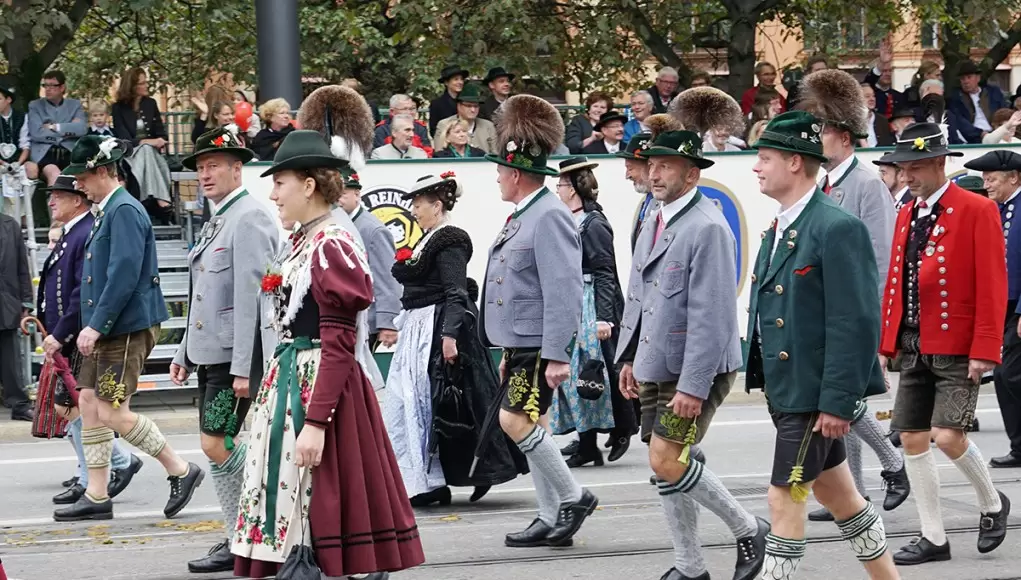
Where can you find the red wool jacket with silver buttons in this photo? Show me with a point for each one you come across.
(962, 280)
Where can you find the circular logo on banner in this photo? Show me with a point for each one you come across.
(386, 204)
(725, 199)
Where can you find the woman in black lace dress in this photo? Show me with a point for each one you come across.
(442, 380)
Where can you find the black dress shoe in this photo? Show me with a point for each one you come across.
(1008, 460)
(440, 495)
(974, 427)
(820, 515)
(652, 479)
(619, 448)
(751, 552)
(572, 515)
(219, 559)
(920, 551)
(182, 488)
(571, 448)
(479, 493)
(580, 459)
(22, 413)
(69, 482)
(120, 478)
(69, 495)
(898, 488)
(85, 509)
(534, 535)
(675, 574)
(992, 528)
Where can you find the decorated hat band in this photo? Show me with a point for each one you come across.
(922, 143)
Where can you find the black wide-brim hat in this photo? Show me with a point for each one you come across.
(65, 183)
(497, 72)
(609, 117)
(452, 71)
(921, 141)
(220, 140)
(999, 160)
(7, 92)
(304, 149)
(883, 162)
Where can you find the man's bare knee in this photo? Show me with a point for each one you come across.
(213, 447)
(516, 425)
(663, 459)
(915, 442)
(952, 442)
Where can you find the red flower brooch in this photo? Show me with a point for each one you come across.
(403, 255)
(271, 281)
(447, 175)
(219, 141)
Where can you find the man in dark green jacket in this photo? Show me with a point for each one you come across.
(814, 333)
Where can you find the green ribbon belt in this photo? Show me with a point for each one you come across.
(287, 385)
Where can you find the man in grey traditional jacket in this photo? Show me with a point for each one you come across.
(835, 98)
(226, 265)
(531, 307)
(682, 361)
(379, 247)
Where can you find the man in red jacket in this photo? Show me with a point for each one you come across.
(948, 324)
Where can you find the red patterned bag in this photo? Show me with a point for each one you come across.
(48, 423)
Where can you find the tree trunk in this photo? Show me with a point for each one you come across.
(657, 44)
(741, 53)
(1001, 50)
(953, 48)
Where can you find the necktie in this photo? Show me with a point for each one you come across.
(659, 228)
(922, 204)
(826, 185)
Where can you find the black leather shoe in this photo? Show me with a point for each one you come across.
(652, 479)
(992, 528)
(182, 488)
(595, 457)
(479, 493)
(219, 559)
(619, 448)
(69, 482)
(69, 495)
(534, 535)
(1008, 460)
(572, 515)
(898, 488)
(820, 515)
(120, 478)
(571, 448)
(894, 437)
(85, 509)
(751, 552)
(675, 574)
(920, 551)
(974, 427)
(22, 413)
(440, 495)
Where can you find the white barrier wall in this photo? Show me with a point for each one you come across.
(481, 212)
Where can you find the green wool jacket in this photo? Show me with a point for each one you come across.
(817, 308)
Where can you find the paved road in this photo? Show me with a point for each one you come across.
(626, 537)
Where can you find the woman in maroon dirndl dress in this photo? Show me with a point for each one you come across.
(319, 454)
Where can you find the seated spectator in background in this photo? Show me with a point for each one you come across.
(136, 115)
(817, 63)
(403, 105)
(253, 122)
(934, 109)
(1005, 124)
(500, 83)
(355, 85)
(641, 108)
(482, 132)
(54, 125)
(701, 79)
(214, 94)
(975, 103)
(400, 145)
(928, 70)
(766, 74)
(99, 115)
(222, 114)
(579, 133)
(14, 149)
(137, 118)
(718, 139)
(900, 120)
(276, 114)
(611, 127)
(755, 132)
(880, 77)
(452, 78)
(768, 104)
(454, 135)
(880, 134)
(663, 91)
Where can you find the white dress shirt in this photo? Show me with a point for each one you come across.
(785, 217)
(932, 200)
(67, 227)
(871, 140)
(838, 172)
(980, 121)
(99, 207)
(670, 210)
(23, 140)
(213, 206)
(528, 199)
(611, 148)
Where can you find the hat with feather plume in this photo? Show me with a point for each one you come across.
(700, 109)
(343, 118)
(835, 98)
(528, 129)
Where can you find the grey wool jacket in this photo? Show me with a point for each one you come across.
(379, 247)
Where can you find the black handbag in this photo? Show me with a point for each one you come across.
(452, 414)
(591, 379)
(301, 562)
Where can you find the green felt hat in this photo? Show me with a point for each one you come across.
(794, 131)
(351, 179)
(92, 151)
(685, 144)
(220, 140)
(638, 143)
(303, 149)
(972, 183)
(470, 94)
(530, 158)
